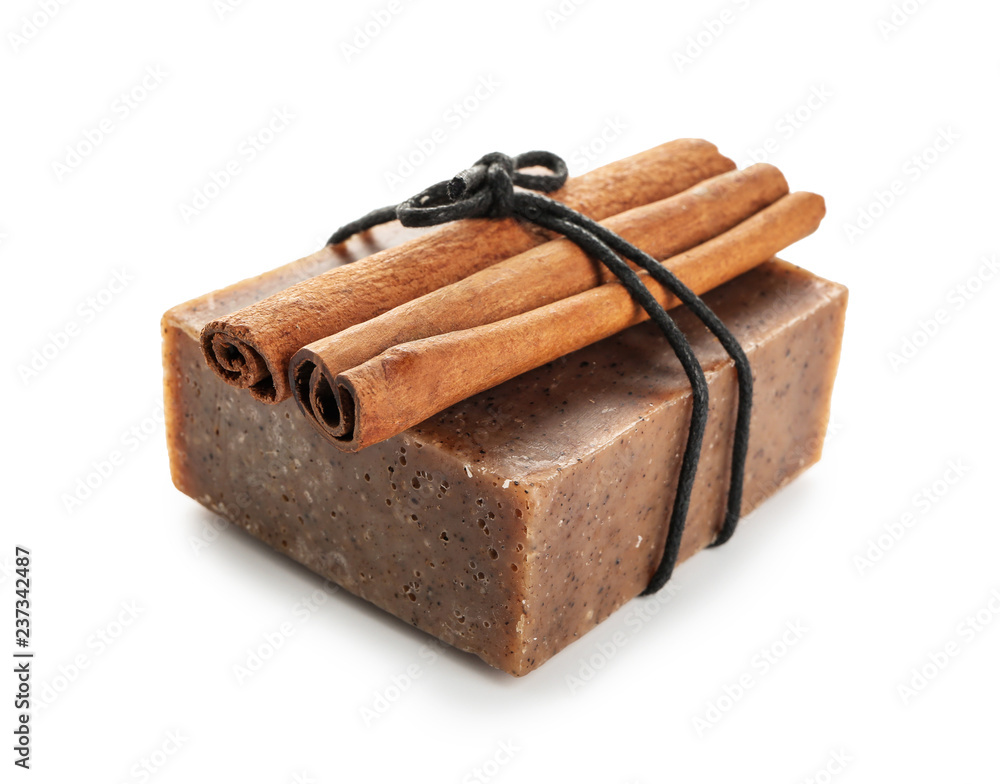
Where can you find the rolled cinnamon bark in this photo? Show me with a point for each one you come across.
(251, 347)
(537, 277)
(410, 382)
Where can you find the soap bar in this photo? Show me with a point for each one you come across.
(515, 521)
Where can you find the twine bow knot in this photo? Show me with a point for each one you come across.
(484, 190)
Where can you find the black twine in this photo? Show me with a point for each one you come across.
(487, 191)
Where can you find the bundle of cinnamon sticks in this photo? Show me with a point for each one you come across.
(372, 348)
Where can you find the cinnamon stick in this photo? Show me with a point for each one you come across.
(410, 382)
(537, 277)
(251, 347)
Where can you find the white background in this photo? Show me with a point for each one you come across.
(594, 83)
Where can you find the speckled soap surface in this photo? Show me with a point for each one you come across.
(517, 520)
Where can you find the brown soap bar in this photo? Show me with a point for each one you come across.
(515, 521)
